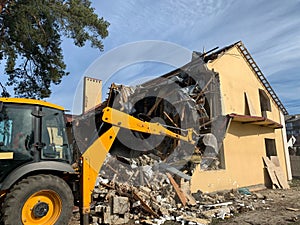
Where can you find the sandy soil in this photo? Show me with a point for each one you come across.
(281, 207)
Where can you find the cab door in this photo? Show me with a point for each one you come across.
(16, 136)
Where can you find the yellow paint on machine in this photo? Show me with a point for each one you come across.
(6, 155)
(92, 161)
(122, 119)
(31, 102)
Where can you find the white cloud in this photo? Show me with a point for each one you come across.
(269, 29)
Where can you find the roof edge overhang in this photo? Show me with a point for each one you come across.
(255, 120)
(252, 64)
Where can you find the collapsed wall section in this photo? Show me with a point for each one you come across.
(188, 97)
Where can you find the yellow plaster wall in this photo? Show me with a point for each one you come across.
(244, 147)
(236, 78)
(244, 144)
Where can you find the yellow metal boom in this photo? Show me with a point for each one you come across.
(94, 156)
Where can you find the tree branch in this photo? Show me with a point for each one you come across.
(39, 24)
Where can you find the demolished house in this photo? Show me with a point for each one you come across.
(237, 122)
(236, 116)
(256, 128)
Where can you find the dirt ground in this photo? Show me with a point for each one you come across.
(278, 207)
(281, 207)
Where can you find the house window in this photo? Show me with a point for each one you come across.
(265, 104)
(270, 147)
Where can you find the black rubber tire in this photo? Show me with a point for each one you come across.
(23, 190)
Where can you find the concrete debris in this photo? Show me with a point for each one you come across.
(159, 198)
(188, 97)
(145, 178)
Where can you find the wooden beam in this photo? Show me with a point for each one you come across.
(145, 205)
(178, 190)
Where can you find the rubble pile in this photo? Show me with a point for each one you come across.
(137, 193)
(146, 178)
(185, 98)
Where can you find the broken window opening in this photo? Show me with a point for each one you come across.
(265, 104)
(247, 109)
(270, 147)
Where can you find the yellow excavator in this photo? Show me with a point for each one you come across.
(38, 184)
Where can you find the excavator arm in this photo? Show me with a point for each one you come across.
(121, 119)
(92, 159)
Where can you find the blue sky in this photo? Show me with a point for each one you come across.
(269, 29)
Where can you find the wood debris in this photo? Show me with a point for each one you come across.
(276, 173)
(120, 198)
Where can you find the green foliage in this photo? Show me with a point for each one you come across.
(30, 40)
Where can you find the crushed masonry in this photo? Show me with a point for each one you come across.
(145, 179)
(157, 201)
(188, 97)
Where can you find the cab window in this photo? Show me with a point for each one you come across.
(16, 129)
(54, 135)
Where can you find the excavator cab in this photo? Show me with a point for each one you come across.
(34, 158)
(30, 133)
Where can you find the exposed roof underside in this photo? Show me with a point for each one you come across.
(255, 120)
(245, 53)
